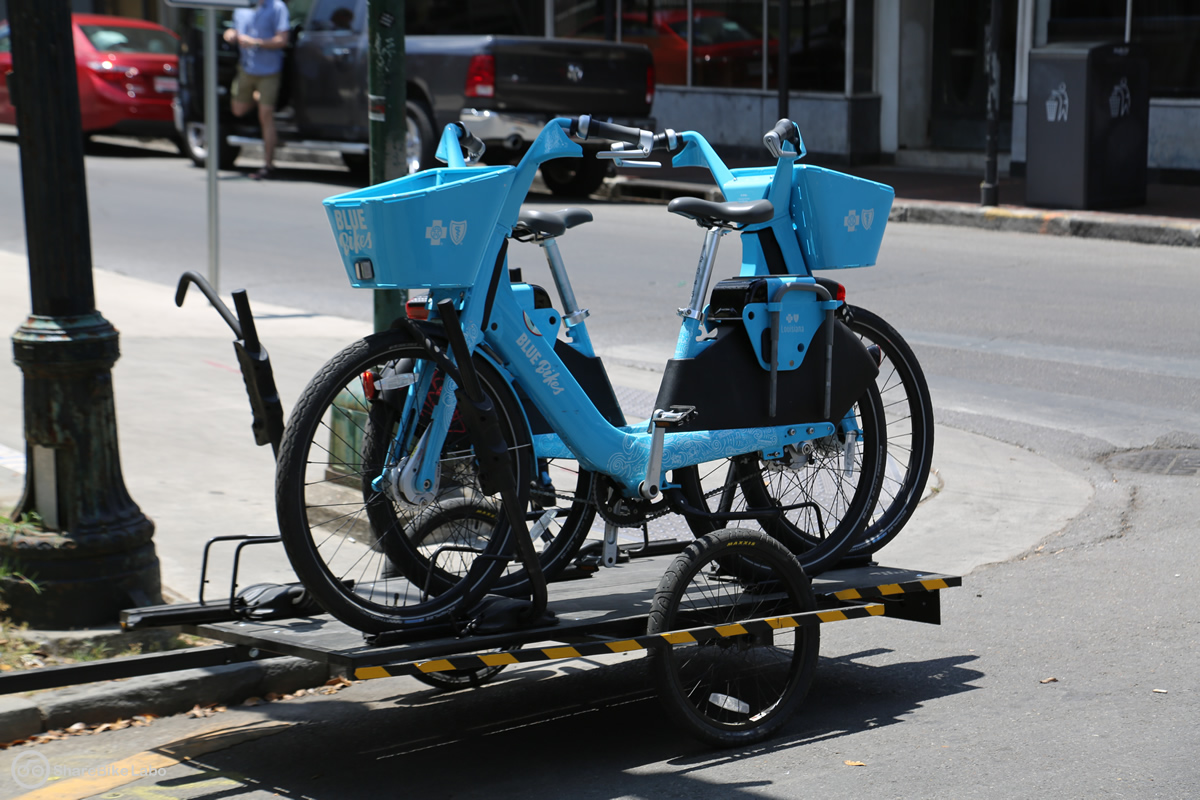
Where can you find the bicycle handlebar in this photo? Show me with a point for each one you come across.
(784, 132)
(642, 141)
(585, 127)
(470, 142)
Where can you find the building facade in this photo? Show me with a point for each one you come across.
(868, 80)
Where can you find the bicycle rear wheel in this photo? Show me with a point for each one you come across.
(346, 533)
(909, 412)
(834, 486)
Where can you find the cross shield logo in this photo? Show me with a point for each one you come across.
(868, 216)
(435, 232)
(458, 230)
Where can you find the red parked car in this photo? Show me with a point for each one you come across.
(128, 71)
(723, 52)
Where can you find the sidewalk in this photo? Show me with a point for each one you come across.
(190, 463)
(1171, 215)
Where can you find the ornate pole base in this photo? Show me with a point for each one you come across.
(88, 553)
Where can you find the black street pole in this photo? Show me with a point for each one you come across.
(990, 188)
(783, 70)
(387, 94)
(85, 546)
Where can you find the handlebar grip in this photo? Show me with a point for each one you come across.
(667, 140)
(784, 131)
(472, 143)
(586, 128)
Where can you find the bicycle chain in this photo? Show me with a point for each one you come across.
(654, 512)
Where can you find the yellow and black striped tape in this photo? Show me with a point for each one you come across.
(691, 636)
(931, 585)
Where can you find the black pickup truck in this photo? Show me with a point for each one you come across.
(504, 87)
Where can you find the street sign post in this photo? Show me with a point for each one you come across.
(211, 133)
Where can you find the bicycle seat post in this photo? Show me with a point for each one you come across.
(708, 256)
(572, 313)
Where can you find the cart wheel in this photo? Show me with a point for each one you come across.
(734, 690)
(464, 678)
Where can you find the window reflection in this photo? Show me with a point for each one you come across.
(1170, 30)
(735, 43)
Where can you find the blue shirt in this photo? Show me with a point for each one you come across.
(263, 21)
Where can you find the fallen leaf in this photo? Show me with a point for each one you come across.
(854, 764)
(252, 701)
(5, 667)
(77, 727)
(1048, 680)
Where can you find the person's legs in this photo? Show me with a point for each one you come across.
(268, 91)
(266, 119)
(242, 99)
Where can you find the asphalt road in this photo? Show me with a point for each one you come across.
(1069, 672)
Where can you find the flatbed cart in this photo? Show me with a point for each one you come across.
(613, 611)
(732, 624)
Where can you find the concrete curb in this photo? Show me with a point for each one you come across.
(161, 695)
(1088, 224)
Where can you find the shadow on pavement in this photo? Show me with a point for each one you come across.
(550, 733)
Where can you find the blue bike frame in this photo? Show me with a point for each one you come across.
(500, 323)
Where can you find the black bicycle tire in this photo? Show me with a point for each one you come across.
(770, 558)
(814, 557)
(895, 508)
(338, 598)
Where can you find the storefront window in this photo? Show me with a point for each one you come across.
(1169, 30)
(730, 47)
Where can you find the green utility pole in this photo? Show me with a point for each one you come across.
(387, 98)
(80, 543)
(989, 189)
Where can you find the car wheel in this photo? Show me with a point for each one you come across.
(194, 144)
(418, 138)
(574, 177)
(358, 163)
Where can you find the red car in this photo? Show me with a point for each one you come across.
(723, 52)
(128, 73)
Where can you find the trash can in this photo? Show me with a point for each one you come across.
(1088, 125)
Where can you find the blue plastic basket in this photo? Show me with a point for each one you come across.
(839, 218)
(430, 230)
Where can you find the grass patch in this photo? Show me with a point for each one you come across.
(18, 650)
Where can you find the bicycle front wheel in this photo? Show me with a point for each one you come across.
(828, 491)
(909, 412)
(348, 530)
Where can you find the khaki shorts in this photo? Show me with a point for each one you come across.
(267, 86)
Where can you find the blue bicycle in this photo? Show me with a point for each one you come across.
(414, 455)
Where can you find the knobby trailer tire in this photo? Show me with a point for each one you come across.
(734, 690)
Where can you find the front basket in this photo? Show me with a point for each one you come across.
(839, 218)
(429, 230)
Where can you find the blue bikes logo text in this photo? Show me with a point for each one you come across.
(544, 368)
(353, 235)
